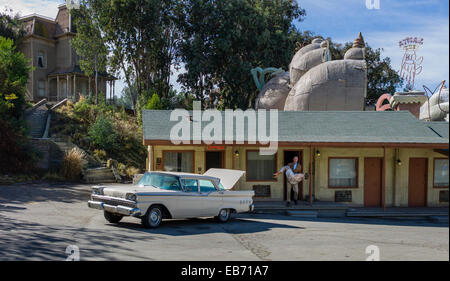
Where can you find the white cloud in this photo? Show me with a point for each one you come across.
(385, 27)
(48, 8)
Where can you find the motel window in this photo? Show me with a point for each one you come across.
(179, 161)
(343, 172)
(260, 167)
(41, 88)
(440, 172)
(41, 59)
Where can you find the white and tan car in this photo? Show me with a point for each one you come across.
(174, 195)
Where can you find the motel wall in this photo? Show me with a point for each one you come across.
(396, 176)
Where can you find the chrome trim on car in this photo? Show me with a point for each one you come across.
(114, 201)
(123, 210)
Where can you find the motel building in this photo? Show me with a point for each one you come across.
(356, 158)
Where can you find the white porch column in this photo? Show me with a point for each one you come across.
(47, 88)
(114, 89)
(57, 88)
(74, 88)
(149, 160)
(67, 86)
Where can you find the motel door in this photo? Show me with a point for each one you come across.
(417, 182)
(287, 158)
(214, 159)
(372, 182)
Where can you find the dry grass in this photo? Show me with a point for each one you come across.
(72, 164)
(131, 171)
(52, 177)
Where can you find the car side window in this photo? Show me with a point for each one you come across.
(189, 185)
(206, 186)
(170, 183)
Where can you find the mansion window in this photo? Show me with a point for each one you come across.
(343, 172)
(260, 167)
(41, 59)
(178, 161)
(440, 173)
(41, 88)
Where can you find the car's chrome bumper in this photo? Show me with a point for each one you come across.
(123, 210)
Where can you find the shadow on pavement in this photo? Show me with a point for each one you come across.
(22, 240)
(22, 194)
(373, 221)
(205, 226)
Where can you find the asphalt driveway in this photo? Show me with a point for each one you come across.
(40, 221)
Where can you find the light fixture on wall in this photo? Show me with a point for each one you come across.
(399, 162)
(236, 153)
(317, 153)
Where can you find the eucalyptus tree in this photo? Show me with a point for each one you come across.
(224, 40)
(143, 38)
(89, 44)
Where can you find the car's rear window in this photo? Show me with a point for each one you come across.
(167, 182)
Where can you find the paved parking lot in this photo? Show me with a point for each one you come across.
(39, 221)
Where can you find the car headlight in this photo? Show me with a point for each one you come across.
(131, 196)
(98, 190)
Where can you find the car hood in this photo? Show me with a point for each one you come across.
(227, 177)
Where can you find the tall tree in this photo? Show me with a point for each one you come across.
(89, 44)
(144, 37)
(381, 77)
(15, 153)
(10, 26)
(224, 40)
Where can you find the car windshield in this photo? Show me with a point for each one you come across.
(162, 181)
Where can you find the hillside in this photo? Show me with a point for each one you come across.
(103, 131)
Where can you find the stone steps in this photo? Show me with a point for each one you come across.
(99, 175)
(36, 120)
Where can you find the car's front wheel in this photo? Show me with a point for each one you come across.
(153, 217)
(112, 218)
(224, 215)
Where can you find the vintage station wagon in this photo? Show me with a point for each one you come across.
(174, 195)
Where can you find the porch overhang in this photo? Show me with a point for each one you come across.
(442, 147)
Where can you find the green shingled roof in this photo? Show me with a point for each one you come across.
(327, 126)
(441, 128)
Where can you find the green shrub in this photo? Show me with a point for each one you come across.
(154, 103)
(53, 177)
(100, 154)
(85, 111)
(103, 135)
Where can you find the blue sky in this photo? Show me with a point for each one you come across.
(342, 20)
